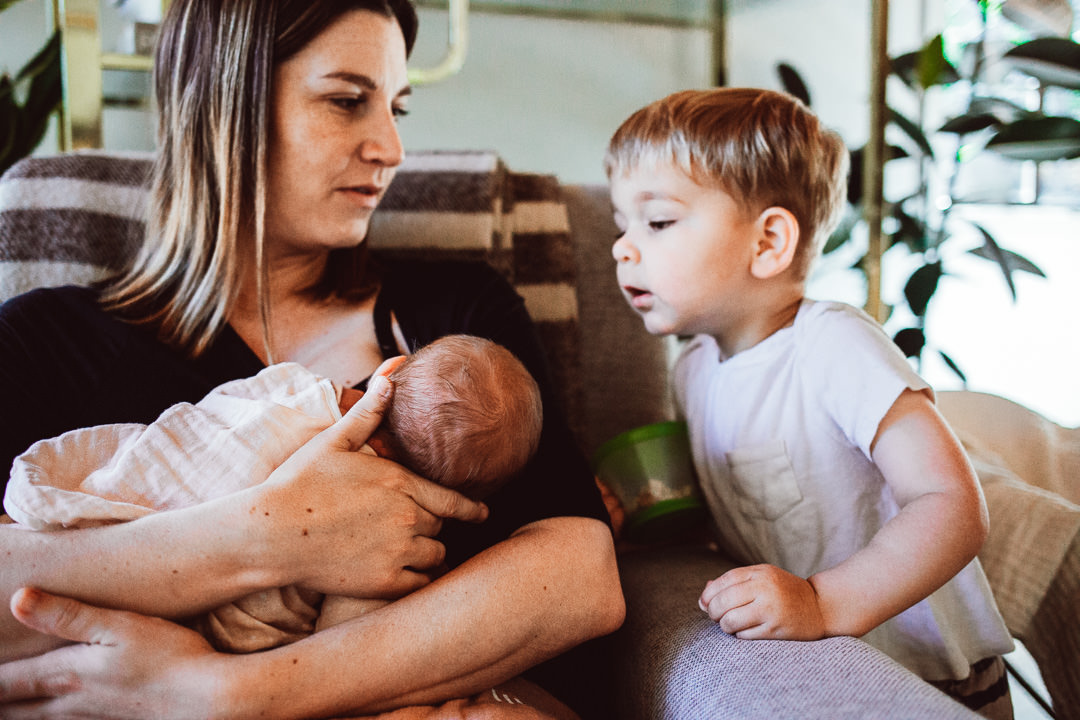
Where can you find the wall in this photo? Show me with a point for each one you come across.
(547, 94)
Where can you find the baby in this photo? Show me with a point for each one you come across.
(465, 413)
(821, 455)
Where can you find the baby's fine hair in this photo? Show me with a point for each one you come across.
(764, 148)
(465, 413)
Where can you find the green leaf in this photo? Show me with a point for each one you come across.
(1004, 110)
(1052, 60)
(46, 58)
(911, 231)
(911, 342)
(44, 95)
(926, 67)
(793, 83)
(964, 124)
(1007, 260)
(913, 131)
(855, 176)
(842, 234)
(921, 286)
(1017, 263)
(933, 67)
(5, 4)
(991, 250)
(9, 124)
(1038, 138)
(1039, 17)
(953, 366)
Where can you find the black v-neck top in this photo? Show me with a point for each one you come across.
(65, 364)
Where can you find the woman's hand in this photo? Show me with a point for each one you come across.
(763, 602)
(125, 665)
(339, 521)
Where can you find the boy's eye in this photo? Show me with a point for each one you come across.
(657, 225)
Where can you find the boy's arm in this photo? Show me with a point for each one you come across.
(941, 525)
(939, 529)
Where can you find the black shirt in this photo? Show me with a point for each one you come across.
(65, 364)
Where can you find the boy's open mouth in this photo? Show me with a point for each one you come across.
(637, 297)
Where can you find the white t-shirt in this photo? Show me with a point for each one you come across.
(781, 437)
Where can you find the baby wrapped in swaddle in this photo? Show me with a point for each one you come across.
(465, 413)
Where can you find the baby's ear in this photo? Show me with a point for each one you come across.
(777, 239)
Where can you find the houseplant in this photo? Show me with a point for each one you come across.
(28, 99)
(920, 221)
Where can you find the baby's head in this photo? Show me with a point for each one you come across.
(763, 148)
(465, 413)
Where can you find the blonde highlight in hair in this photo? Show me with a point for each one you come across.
(213, 83)
(764, 148)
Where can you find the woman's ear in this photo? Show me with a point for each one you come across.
(778, 237)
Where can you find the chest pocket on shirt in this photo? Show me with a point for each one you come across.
(764, 480)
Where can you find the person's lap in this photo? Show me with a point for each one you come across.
(515, 699)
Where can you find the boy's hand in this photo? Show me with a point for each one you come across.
(763, 602)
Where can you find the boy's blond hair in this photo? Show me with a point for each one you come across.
(764, 148)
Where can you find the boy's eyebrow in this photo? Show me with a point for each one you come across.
(646, 195)
(363, 81)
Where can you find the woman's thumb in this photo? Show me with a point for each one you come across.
(357, 425)
(58, 616)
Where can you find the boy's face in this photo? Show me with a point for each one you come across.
(683, 253)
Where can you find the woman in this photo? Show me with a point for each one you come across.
(277, 139)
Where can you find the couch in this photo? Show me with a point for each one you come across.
(71, 218)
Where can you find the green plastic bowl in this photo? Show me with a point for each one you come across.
(650, 470)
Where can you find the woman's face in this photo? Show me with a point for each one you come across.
(334, 144)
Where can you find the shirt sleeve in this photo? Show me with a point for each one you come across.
(856, 367)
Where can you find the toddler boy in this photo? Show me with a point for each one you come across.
(821, 455)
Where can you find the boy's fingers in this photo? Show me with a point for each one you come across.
(356, 426)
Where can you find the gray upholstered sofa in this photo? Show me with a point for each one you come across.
(69, 218)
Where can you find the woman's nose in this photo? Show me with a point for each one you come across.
(624, 251)
(383, 145)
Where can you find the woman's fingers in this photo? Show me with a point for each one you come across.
(356, 426)
(59, 616)
(354, 429)
(445, 503)
(121, 665)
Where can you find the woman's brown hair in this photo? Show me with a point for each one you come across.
(212, 78)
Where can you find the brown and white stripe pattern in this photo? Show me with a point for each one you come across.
(71, 218)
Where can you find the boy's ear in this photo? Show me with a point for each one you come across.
(777, 238)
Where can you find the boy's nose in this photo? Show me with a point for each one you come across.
(624, 251)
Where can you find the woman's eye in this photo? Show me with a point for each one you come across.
(657, 225)
(400, 112)
(347, 102)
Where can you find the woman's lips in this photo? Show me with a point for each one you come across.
(365, 196)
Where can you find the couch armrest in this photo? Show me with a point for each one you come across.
(673, 662)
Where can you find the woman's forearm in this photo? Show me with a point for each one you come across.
(168, 564)
(551, 586)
